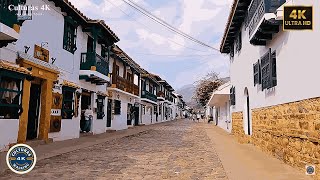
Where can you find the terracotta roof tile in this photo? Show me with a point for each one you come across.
(13, 67)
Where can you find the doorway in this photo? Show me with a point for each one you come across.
(85, 104)
(129, 114)
(136, 114)
(33, 113)
(247, 111)
(109, 111)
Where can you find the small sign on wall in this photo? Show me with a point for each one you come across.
(298, 18)
(41, 53)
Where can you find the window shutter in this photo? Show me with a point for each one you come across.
(257, 73)
(273, 71)
(265, 71)
(232, 96)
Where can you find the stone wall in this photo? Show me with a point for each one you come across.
(237, 128)
(290, 132)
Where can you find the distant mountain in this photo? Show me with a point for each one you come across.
(187, 92)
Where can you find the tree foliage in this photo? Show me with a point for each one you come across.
(205, 87)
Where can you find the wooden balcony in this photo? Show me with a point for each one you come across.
(90, 59)
(148, 95)
(261, 20)
(124, 85)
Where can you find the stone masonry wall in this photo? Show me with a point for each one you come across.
(290, 132)
(237, 128)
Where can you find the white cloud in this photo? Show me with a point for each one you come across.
(202, 19)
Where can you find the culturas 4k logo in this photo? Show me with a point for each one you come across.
(21, 158)
(298, 18)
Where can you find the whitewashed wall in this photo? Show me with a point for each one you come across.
(297, 66)
(149, 114)
(224, 120)
(8, 132)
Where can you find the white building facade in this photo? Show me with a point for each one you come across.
(65, 60)
(124, 91)
(274, 73)
(218, 107)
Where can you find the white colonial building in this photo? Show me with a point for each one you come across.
(218, 107)
(124, 101)
(275, 91)
(53, 68)
(149, 104)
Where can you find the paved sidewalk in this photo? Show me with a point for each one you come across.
(61, 147)
(246, 162)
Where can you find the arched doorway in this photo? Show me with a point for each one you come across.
(247, 112)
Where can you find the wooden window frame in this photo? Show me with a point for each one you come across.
(268, 70)
(100, 114)
(15, 107)
(117, 107)
(257, 73)
(70, 35)
(69, 112)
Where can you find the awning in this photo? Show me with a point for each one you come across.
(70, 84)
(220, 96)
(14, 67)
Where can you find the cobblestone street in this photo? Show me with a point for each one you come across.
(175, 150)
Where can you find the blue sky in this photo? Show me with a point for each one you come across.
(157, 49)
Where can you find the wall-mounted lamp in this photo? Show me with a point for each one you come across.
(118, 96)
(53, 60)
(26, 49)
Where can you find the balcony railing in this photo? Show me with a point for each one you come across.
(92, 59)
(125, 85)
(8, 17)
(149, 95)
(257, 10)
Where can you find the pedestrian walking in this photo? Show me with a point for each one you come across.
(88, 117)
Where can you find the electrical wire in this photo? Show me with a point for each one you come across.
(165, 24)
(175, 55)
(141, 24)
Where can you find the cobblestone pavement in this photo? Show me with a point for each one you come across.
(178, 150)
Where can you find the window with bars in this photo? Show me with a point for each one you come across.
(70, 35)
(10, 94)
(233, 95)
(257, 73)
(268, 70)
(100, 107)
(68, 102)
(117, 107)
